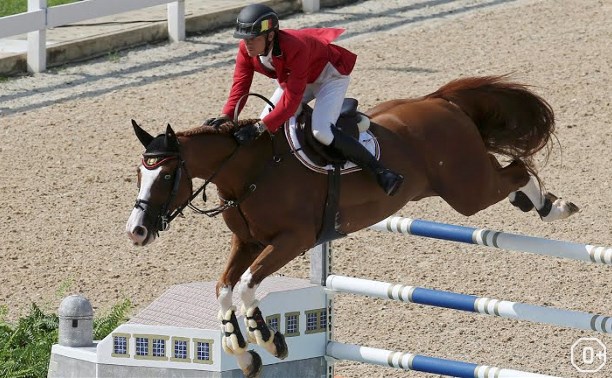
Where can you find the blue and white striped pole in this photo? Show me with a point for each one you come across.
(408, 361)
(471, 303)
(496, 239)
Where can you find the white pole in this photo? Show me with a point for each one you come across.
(37, 41)
(320, 266)
(471, 303)
(496, 239)
(176, 21)
(409, 361)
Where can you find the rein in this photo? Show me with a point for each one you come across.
(210, 212)
(226, 203)
(165, 217)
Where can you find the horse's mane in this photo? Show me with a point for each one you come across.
(228, 127)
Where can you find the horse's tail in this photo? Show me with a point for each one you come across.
(512, 120)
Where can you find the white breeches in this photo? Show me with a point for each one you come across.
(329, 91)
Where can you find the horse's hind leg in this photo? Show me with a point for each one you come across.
(548, 206)
(487, 178)
(529, 196)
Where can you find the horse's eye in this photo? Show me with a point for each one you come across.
(167, 177)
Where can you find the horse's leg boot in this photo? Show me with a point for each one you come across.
(350, 147)
(233, 342)
(520, 200)
(258, 330)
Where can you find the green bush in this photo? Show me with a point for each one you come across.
(25, 348)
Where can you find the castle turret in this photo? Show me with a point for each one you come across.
(75, 322)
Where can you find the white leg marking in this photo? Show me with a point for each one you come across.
(249, 304)
(225, 298)
(247, 294)
(533, 191)
(560, 209)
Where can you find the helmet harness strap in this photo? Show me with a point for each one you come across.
(268, 44)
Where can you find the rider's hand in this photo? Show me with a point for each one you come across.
(249, 133)
(216, 121)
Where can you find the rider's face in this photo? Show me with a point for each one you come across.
(257, 46)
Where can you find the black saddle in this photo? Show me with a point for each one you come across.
(316, 151)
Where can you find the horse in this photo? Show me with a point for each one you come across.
(450, 143)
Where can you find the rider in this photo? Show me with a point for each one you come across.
(307, 66)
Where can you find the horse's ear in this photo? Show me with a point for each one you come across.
(144, 137)
(171, 140)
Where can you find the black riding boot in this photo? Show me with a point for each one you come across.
(352, 150)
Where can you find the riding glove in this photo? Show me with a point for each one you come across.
(216, 121)
(249, 133)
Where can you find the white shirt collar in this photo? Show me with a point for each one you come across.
(266, 60)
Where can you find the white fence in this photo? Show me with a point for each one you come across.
(39, 18)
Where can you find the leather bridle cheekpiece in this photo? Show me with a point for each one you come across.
(153, 160)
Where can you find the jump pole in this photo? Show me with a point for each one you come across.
(471, 303)
(425, 364)
(320, 268)
(496, 239)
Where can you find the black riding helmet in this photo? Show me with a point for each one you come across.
(254, 20)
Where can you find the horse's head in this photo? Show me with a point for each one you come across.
(163, 184)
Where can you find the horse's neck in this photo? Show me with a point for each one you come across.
(204, 153)
(232, 168)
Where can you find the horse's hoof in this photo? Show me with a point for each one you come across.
(254, 370)
(281, 346)
(556, 208)
(573, 209)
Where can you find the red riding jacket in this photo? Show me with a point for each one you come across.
(298, 57)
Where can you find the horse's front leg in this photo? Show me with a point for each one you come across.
(283, 249)
(271, 340)
(233, 342)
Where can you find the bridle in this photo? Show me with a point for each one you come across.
(164, 217)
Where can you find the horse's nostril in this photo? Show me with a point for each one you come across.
(140, 231)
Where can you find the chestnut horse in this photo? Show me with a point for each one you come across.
(443, 144)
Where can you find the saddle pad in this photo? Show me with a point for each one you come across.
(366, 138)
